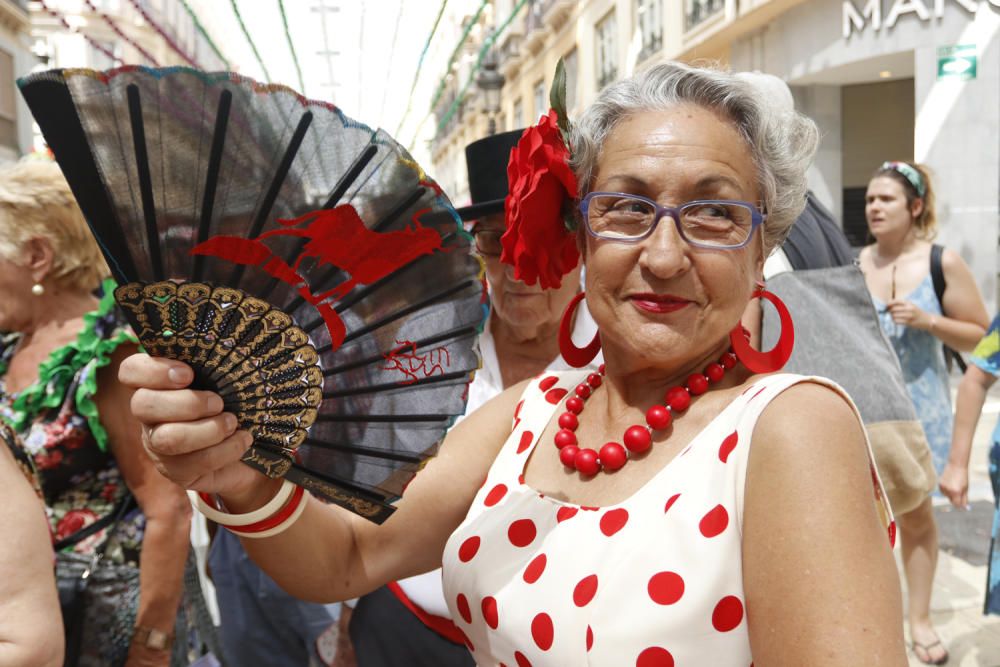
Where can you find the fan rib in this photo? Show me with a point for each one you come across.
(280, 174)
(145, 179)
(447, 335)
(374, 452)
(361, 491)
(212, 176)
(388, 386)
(350, 175)
(392, 317)
(382, 419)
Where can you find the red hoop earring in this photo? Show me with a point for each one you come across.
(577, 357)
(766, 362)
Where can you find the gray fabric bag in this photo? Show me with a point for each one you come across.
(837, 335)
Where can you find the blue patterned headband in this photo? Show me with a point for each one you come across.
(909, 173)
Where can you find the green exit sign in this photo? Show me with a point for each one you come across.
(957, 62)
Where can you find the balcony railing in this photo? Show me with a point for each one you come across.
(698, 11)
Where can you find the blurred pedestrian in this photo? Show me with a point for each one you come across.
(59, 390)
(30, 636)
(978, 378)
(899, 207)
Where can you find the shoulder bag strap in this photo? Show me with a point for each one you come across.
(937, 277)
(110, 519)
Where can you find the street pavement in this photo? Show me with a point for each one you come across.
(959, 587)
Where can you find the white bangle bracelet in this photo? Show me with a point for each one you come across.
(281, 527)
(227, 519)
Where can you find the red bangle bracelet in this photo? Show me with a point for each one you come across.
(266, 523)
(278, 517)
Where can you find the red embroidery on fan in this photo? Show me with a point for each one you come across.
(336, 237)
(417, 366)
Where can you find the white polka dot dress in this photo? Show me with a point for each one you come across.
(654, 581)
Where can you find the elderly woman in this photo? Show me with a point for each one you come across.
(740, 526)
(59, 390)
(28, 602)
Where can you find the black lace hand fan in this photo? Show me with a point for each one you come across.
(300, 262)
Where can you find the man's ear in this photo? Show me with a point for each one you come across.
(40, 257)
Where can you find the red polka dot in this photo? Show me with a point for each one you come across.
(553, 396)
(665, 587)
(490, 612)
(463, 608)
(714, 522)
(671, 501)
(728, 445)
(613, 521)
(654, 656)
(589, 509)
(728, 613)
(892, 534)
(590, 638)
(534, 569)
(548, 382)
(566, 513)
(521, 660)
(542, 631)
(469, 549)
(520, 478)
(585, 591)
(517, 410)
(526, 439)
(759, 392)
(495, 495)
(522, 532)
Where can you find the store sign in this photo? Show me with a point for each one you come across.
(957, 62)
(870, 12)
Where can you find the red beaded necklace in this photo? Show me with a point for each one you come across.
(637, 438)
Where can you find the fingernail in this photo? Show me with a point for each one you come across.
(214, 403)
(231, 422)
(248, 438)
(179, 375)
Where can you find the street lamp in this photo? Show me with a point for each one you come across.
(490, 81)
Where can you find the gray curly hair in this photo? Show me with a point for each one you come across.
(782, 142)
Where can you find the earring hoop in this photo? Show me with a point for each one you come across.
(577, 357)
(777, 357)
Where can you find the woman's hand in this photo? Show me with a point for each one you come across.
(187, 435)
(908, 314)
(954, 483)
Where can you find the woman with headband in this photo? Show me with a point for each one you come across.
(899, 207)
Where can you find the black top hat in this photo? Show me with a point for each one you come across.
(486, 161)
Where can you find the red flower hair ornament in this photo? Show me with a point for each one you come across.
(540, 242)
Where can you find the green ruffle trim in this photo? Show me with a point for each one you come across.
(88, 353)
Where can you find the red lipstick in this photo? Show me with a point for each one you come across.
(658, 303)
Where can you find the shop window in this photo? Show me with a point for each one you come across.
(697, 11)
(649, 16)
(8, 106)
(607, 50)
(541, 104)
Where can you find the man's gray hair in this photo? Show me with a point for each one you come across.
(781, 141)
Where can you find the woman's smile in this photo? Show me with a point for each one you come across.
(658, 303)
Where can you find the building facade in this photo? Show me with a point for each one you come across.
(883, 79)
(15, 60)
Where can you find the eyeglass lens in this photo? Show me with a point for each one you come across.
(707, 222)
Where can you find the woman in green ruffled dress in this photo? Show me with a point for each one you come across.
(59, 391)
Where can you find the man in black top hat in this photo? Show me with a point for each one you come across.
(407, 622)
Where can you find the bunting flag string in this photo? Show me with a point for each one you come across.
(447, 70)
(204, 33)
(246, 34)
(487, 45)
(166, 38)
(291, 47)
(420, 62)
(90, 40)
(118, 31)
